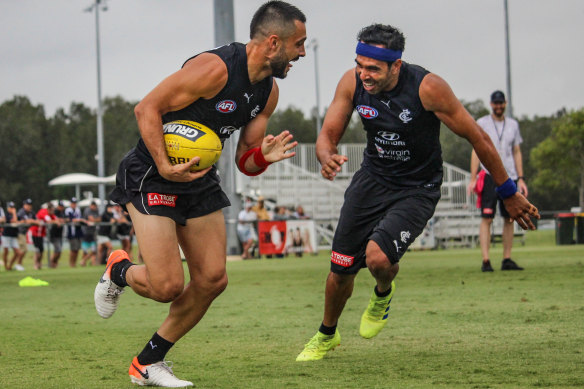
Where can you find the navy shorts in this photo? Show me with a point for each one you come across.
(490, 199)
(391, 218)
(138, 182)
(38, 243)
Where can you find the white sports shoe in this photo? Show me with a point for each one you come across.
(107, 293)
(156, 374)
(19, 267)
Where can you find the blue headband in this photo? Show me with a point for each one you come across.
(379, 53)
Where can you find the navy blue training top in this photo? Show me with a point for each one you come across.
(232, 108)
(403, 139)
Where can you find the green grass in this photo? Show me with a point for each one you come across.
(451, 326)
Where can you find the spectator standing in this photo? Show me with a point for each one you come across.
(104, 230)
(74, 231)
(124, 229)
(246, 231)
(91, 216)
(56, 234)
(2, 221)
(504, 133)
(25, 216)
(10, 237)
(260, 209)
(38, 232)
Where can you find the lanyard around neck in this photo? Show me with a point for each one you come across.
(500, 136)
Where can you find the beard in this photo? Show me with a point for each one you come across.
(279, 68)
(280, 64)
(499, 111)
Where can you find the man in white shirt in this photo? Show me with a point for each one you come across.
(246, 229)
(504, 132)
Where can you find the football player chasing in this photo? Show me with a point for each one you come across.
(394, 194)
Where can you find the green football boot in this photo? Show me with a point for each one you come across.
(375, 316)
(318, 346)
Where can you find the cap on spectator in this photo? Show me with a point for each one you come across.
(27, 201)
(60, 203)
(73, 199)
(497, 97)
(10, 204)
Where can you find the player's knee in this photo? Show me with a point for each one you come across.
(220, 283)
(168, 291)
(376, 259)
(341, 280)
(487, 221)
(214, 282)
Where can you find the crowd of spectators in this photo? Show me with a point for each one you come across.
(90, 231)
(253, 213)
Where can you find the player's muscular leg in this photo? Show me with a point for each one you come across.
(485, 236)
(339, 288)
(508, 233)
(380, 266)
(203, 242)
(161, 278)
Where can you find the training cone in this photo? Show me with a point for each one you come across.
(29, 281)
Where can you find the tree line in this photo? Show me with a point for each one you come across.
(35, 148)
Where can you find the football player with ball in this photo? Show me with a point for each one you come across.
(178, 201)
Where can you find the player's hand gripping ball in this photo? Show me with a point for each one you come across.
(185, 140)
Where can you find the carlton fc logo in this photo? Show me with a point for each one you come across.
(226, 106)
(367, 112)
(405, 116)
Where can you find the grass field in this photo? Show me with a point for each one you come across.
(451, 326)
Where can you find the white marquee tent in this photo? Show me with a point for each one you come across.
(79, 179)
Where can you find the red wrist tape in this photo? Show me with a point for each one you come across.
(258, 159)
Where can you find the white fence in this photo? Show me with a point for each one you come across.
(297, 181)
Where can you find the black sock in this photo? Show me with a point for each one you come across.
(384, 294)
(119, 272)
(155, 350)
(327, 330)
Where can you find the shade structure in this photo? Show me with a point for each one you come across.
(82, 179)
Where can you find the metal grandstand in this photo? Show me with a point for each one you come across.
(297, 181)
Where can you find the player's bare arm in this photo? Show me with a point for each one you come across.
(334, 126)
(437, 96)
(202, 77)
(273, 148)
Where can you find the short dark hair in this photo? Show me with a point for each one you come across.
(275, 16)
(383, 34)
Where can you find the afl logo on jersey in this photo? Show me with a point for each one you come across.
(226, 106)
(367, 112)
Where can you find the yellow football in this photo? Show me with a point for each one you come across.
(185, 140)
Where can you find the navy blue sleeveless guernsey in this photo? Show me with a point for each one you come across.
(232, 108)
(403, 139)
